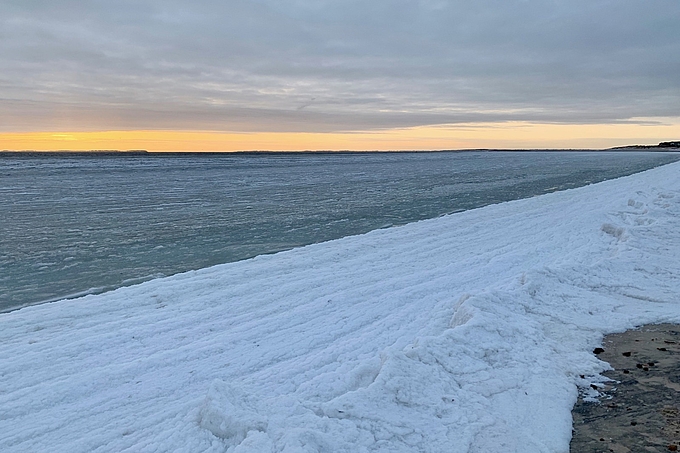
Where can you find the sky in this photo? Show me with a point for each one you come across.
(338, 74)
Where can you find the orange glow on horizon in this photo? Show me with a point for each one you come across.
(511, 135)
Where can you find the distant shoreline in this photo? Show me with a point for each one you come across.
(672, 146)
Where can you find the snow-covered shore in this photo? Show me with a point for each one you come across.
(462, 333)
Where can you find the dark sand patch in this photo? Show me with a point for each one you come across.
(639, 410)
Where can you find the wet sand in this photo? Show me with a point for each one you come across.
(639, 409)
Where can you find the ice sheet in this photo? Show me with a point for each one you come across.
(464, 333)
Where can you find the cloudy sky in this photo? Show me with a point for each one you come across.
(336, 74)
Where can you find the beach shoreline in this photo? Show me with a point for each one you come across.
(637, 406)
(464, 333)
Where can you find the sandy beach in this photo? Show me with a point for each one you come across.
(639, 408)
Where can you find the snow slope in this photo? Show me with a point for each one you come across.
(462, 333)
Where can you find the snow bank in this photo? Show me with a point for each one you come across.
(464, 333)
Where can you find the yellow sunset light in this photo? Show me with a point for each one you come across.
(460, 136)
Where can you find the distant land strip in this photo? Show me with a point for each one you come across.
(662, 146)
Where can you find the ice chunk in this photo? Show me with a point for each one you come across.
(228, 414)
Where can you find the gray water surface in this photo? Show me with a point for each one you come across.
(76, 224)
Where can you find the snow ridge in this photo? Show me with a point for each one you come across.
(465, 333)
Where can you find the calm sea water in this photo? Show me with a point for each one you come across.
(77, 224)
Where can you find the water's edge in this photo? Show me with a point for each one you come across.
(88, 224)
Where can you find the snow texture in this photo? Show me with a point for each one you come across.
(465, 333)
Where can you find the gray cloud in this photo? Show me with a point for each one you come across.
(251, 65)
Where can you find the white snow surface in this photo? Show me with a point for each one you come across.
(465, 333)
